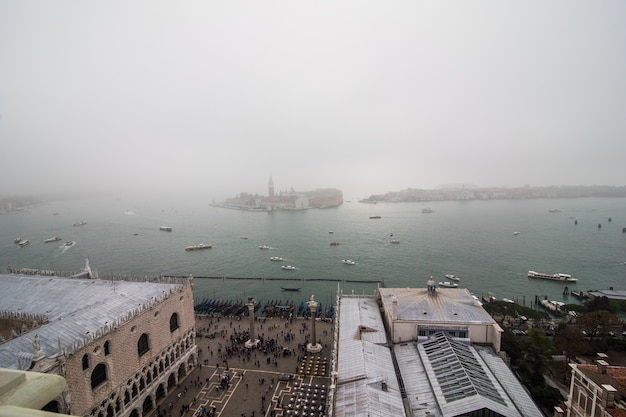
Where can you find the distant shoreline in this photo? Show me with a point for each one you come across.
(503, 193)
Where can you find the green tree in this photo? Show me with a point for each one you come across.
(570, 340)
(598, 321)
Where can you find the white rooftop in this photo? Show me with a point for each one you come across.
(366, 384)
(449, 305)
(77, 310)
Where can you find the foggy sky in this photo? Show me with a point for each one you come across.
(363, 96)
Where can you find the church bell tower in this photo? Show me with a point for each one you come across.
(270, 190)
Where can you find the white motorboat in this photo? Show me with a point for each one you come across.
(52, 239)
(552, 277)
(23, 243)
(276, 258)
(69, 243)
(448, 284)
(264, 247)
(348, 262)
(199, 246)
(453, 277)
(288, 267)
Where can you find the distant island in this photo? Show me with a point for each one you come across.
(495, 193)
(284, 200)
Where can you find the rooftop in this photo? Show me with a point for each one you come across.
(77, 311)
(449, 305)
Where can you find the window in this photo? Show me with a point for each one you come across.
(85, 361)
(143, 345)
(107, 348)
(174, 322)
(99, 375)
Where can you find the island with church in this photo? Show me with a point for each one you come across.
(284, 200)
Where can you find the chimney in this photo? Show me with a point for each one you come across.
(608, 396)
(558, 412)
(602, 365)
(394, 308)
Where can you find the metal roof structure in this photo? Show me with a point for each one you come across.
(366, 384)
(449, 305)
(444, 376)
(73, 311)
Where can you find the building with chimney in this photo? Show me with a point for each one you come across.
(597, 390)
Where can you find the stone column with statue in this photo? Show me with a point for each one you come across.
(253, 341)
(314, 346)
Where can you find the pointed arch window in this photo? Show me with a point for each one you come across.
(143, 344)
(174, 322)
(99, 375)
(85, 361)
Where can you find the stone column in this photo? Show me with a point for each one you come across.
(253, 341)
(313, 347)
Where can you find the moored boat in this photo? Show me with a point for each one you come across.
(276, 258)
(290, 288)
(288, 267)
(52, 239)
(448, 284)
(453, 277)
(165, 228)
(427, 211)
(375, 217)
(552, 277)
(334, 243)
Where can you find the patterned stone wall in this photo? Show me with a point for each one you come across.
(130, 378)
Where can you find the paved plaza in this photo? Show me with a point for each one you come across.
(278, 378)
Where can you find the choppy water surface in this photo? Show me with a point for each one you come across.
(474, 240)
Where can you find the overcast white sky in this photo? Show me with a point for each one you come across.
(364, 96)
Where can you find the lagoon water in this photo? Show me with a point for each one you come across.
(472, 239)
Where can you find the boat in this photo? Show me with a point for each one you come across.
(330, 232)
(348, 262)
(554, 210)
(394, 241)
(17, 240)
(69, 243)
(243, 237)
(290, 288)
(515, 233)
(165, 228)
(453, 277)
(427, 211)
(276, 258)
(288, 267)
(52, 239)
(199, 246)
(264, 247)
(552, 277)
(334, 243)
(80, 223)
(448, 284)
(375, 217)
(23, 243)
